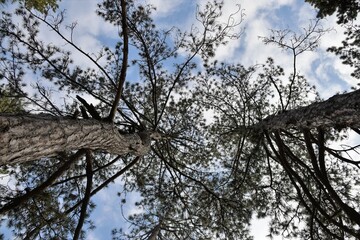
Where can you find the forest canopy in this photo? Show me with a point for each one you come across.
(186, 130)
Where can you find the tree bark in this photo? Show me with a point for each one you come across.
(339, 111)
(155, 232)
(27, 137)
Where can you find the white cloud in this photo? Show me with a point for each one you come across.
(304, 12)
(250, 49)
(254, 50)
(92, 236)
(165, 8)
(260, 228)
(84, 13)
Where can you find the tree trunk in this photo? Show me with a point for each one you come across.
(29, 137)
(310, 164)
(339, 111)
(155, 232)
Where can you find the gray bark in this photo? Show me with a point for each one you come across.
(339, 111)
(28, 137)
(155, 232)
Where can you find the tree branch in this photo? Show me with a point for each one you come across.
(122, 77)
(105, 183)
(21, 199)
(86, 200)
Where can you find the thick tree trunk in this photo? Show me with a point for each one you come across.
(29, 137)
(339, 111)
(155, 232)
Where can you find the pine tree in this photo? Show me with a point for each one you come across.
(267, 150)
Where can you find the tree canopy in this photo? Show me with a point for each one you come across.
(206, 144)
(346, 10)
(39, 5)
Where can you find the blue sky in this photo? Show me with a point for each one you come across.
(260, 17)
(321, 68)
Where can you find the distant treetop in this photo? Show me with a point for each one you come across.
(39, 5)
(347, 10)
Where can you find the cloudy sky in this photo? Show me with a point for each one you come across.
(321, 68)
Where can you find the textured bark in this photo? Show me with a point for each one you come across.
(29, 137)
(339, 111)
(155, 232)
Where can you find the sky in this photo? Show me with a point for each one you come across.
(321, 68)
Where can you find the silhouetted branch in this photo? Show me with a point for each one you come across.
(122, 77)
(39, 189)
(86, 200)
(105, 183)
